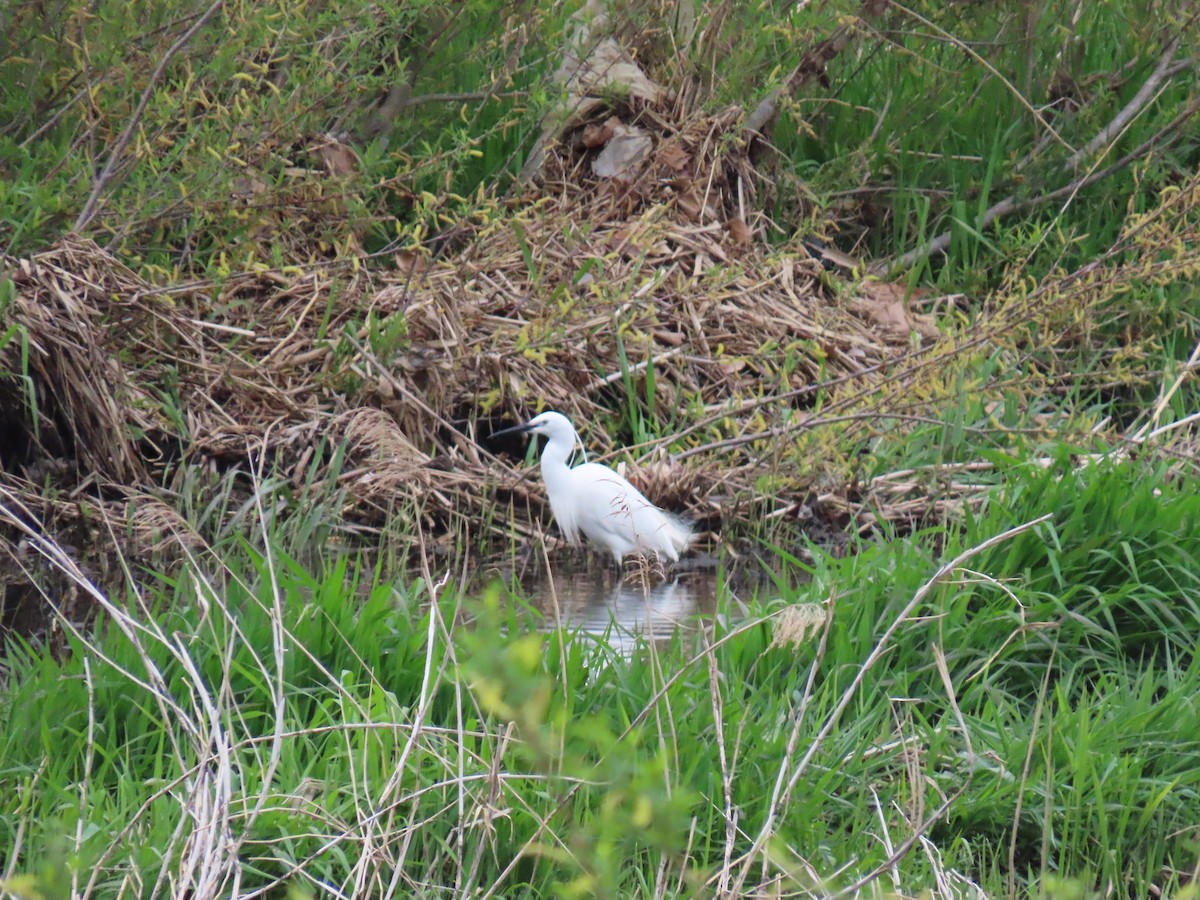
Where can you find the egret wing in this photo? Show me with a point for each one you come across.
(613, 512)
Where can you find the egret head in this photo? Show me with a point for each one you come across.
(552, 425)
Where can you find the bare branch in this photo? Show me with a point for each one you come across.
(812, 65)
(1166, 68)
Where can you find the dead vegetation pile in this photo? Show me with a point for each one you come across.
(569, 302)
(647, 267)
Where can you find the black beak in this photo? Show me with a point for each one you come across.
(516, 429)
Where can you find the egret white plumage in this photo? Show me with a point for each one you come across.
(595, 500)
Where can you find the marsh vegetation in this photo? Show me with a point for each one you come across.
(896, 302)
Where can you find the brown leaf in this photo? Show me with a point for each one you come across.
(674, 156)
(692, 203)
(337, 157)
(597, 135)
(410, 264)
(883, 304)
(739, 231)
(248, 187)
(671, 338)
(625, 240)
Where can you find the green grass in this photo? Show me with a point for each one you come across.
(915, 136)
(334, 727)
(911, 135)
(221, 168)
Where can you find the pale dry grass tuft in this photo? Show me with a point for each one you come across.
(798, 624)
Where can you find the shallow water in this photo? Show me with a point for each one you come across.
(601, 600)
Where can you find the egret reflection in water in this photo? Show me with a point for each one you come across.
(603, 603)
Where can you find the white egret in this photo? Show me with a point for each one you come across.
(595, 500)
